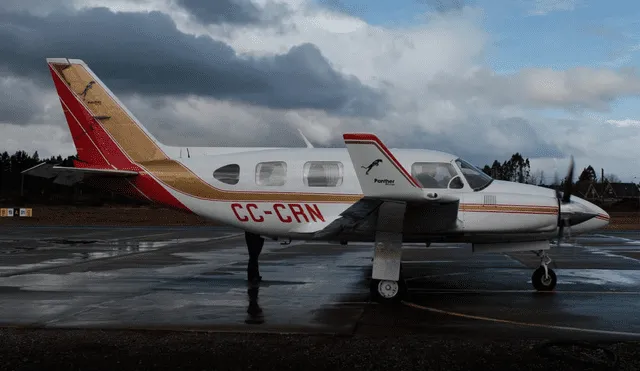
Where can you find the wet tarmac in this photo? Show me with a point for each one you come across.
(195, 278)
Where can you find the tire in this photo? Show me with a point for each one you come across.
(540, 283)
(398, 288)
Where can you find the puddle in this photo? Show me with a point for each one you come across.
(14, 269)
(598, 276)
(68, 241)
(158, 244)
(106, 249)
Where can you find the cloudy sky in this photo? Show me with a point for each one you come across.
(482, 79)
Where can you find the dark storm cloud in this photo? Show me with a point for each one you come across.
(146, 53)
(474, 143)
(520, 131)
(17, 105)
(233, 11)
(37, 7)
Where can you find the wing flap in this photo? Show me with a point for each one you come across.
(349, 219)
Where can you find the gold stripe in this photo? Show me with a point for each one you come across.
(510, 212)
(512, 205)
(509, 208)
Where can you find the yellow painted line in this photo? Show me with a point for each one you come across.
(519, 323)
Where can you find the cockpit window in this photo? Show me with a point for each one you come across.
(435, 175)
(476, 178)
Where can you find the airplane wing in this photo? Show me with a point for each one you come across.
(70, 175)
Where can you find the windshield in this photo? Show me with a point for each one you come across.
(476, 178)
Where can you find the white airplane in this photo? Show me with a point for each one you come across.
(363, 193)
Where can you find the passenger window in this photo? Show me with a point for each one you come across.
(271, 173)
(229, 174)
(433, 174)
(323, 174)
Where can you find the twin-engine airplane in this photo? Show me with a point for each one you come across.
(364, 193)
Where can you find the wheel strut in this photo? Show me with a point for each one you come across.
(544, 278)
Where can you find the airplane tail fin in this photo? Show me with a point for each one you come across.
(105, 134)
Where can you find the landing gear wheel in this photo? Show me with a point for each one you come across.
(542, 282)
(384, 291)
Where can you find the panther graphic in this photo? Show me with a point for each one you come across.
(372, 165)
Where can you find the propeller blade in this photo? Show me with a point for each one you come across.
(560, 233)
(559, 208)
(566, 197)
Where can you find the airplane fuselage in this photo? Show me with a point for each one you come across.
(304, 193)
(366, 192)
(282, 210)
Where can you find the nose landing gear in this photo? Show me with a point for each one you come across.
(544, 278)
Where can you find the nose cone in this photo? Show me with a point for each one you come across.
(599, 220)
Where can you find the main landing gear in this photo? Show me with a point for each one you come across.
(387, 283)
(254, 246)
(544, 278)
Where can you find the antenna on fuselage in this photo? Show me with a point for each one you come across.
(306, 141)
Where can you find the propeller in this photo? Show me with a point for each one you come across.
(564, 198)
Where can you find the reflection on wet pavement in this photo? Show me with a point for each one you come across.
(195, 278)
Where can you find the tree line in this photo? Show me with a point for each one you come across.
(17, 190)
(518, 169)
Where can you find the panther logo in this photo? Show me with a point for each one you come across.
(372, 165)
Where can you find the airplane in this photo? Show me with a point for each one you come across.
(365, 192)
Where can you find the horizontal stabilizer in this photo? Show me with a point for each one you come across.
(71, 175)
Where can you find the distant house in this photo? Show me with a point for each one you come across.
(604, 191)
(607, 192)
(621, 191)
(586, 190)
